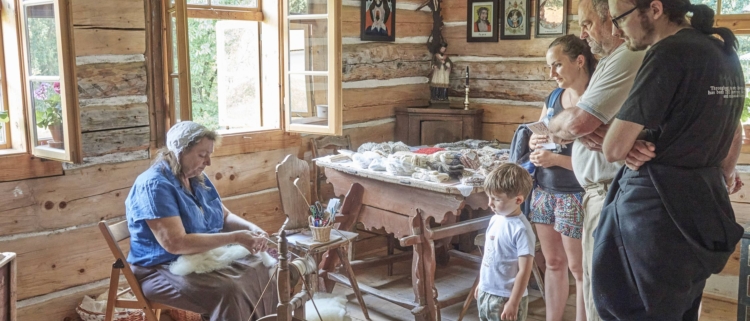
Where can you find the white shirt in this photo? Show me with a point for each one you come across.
(609, 87)
(506, 239)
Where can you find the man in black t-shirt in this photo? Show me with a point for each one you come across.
(667, 223)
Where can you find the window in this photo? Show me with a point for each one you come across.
(312, 70)
(735, 15)
(215, 51)
(37, 74)
(4, 119)
(224, 65)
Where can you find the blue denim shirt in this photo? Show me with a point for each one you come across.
(157, 193)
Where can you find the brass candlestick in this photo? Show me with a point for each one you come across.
(466, 99)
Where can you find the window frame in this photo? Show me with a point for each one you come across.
(21, 128)
(8, 144)
(333, 73)
(182, 11)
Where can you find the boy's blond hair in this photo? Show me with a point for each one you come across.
(509, 179)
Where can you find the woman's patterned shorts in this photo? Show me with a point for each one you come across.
(564, 211)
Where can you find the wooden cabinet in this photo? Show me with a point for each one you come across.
(429, 126)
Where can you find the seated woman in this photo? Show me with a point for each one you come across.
(173, 209)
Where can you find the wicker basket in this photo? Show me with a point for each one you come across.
(123, 315)
(321, 234)
(182, 315)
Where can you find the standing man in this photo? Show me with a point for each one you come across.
(667, 224)
(587, 123)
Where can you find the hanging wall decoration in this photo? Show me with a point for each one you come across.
(514, 19)
(481, 19)
(552, 18)
(378, 20)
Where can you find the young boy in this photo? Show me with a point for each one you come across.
(508, 248)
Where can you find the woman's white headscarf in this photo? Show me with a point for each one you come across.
(181, 135)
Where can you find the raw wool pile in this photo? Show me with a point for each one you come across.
(363, 160)
(469, 144)
(454, 171)
(215, 259)
(384, 149)
(430, 175)
(450, 158)
(331, 307)
(405, 163)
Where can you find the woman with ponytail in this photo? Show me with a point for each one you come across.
(667, 222)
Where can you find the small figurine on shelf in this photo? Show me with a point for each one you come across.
(440, 75)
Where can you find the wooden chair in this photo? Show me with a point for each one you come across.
(322, 146)
(479, 242)
(295, 207)
(113, 234)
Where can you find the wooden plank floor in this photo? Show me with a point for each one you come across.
(713, 309)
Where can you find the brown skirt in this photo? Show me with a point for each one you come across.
(228, 294)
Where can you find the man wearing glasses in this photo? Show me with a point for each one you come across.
(588, 121)
(667, 222)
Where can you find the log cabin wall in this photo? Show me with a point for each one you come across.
(51, 222)
(508, 78)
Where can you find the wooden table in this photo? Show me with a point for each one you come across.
(418, 213)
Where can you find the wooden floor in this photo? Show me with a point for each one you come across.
(713, 310)
(457, 277)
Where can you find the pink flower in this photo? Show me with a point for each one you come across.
(40, 93)
(56, 87)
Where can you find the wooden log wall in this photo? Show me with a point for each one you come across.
(508, 78)
(51, 222)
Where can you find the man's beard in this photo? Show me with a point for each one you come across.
(648, 31)
(596, 48)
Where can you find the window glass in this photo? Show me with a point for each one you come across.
(299, 7)
(42, 40)
(309, 100)
(47, 113)
(744, 52)
(224, 73)
(43, 76)
(3, 140)
(238, 3)
(735, 6)
(308, 45)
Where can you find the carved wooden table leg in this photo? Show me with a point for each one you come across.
(423, 273)
(443, 245)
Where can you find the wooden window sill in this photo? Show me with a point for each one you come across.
(17, 166)
(251, 142)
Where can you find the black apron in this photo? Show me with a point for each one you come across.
(663, 231)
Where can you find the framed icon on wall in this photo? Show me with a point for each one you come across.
(514, 19)
(552, 20)
(378, 20)
(481, 21)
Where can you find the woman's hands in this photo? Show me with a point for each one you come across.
(253, 242)
(535, 140)
(543, 158)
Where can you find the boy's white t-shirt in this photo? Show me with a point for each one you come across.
(506, 239)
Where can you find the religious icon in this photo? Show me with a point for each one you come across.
(378, 20)
(482, 22)
(552, 21)
(515, 19)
